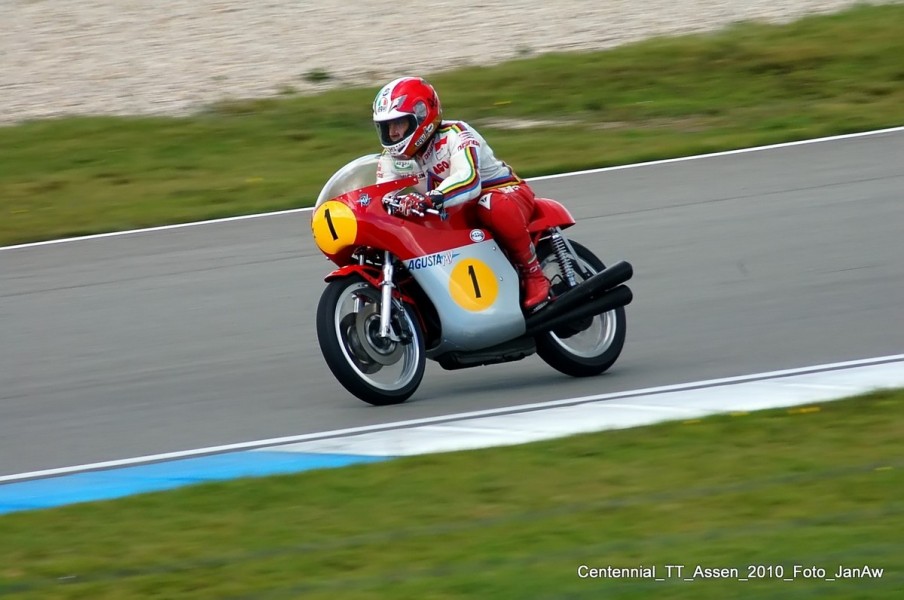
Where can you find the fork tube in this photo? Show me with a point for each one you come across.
(386, 299)
(359, 302)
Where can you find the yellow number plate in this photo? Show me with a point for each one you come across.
(473, 285)
(334, 226)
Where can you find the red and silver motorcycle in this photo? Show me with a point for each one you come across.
(437, 286)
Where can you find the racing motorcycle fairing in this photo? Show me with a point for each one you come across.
(358, 218)
(476, 293)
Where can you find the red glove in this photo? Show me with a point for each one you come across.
(418, 203)
(410, 203)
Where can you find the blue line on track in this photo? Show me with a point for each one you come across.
(126, 481)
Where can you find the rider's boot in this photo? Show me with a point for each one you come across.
(534, 284)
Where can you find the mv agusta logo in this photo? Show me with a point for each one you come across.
(431, 260)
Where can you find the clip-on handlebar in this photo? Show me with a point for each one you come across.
(392, 203)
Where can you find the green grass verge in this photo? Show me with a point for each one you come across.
(816, 487)
(750, 84)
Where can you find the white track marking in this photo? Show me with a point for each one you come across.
(833, 138)
(510, 410)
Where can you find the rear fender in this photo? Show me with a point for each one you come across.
(549, 214)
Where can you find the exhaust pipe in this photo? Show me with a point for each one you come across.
(601, 303)
(565, 304)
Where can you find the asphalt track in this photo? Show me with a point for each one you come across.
(201, 336)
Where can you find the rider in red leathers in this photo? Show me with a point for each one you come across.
(456, 166)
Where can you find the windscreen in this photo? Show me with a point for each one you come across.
(357, 174)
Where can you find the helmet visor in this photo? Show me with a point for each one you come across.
(393, 131)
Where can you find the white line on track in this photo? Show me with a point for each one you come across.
(833, 138)
(525, 408)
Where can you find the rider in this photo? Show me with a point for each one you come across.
(456, 166)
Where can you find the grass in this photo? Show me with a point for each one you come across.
(747, 85)
(815, 487)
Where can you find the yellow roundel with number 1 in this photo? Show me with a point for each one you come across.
(334, 227)
(473, 285)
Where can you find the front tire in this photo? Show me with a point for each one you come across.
(378, 371)
(585, 347)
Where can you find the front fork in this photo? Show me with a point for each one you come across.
(386, 286)
(386, 298)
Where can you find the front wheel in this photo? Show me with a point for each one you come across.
(583, 347)
(378, 370)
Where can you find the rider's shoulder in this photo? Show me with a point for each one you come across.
(459, 127)
(461, 132)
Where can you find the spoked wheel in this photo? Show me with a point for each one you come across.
(583, 347)
(378, 370)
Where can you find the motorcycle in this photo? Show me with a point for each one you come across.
(435, 286)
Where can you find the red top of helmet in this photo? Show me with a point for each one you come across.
(412, 99)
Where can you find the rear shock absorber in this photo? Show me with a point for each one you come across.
(564, 257)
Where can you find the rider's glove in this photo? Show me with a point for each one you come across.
(418, 203)
(410, 203)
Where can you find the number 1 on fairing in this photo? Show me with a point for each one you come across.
(473, 285)
(329, 222)
(474, 281)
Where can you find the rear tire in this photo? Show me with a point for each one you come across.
(378, 371)
(585, 347)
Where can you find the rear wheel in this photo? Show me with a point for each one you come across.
(378, 370)
(583, 347)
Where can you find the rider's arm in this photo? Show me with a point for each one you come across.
(463, 183)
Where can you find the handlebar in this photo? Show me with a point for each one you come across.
(391, 202)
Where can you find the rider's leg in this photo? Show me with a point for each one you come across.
(505, 212)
